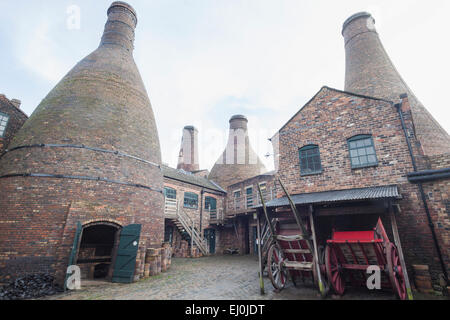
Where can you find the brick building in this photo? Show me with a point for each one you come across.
(370, 151)
(12, 119)
(194, 202)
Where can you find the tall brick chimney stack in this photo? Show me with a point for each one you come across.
(119, 29)
(188, 159)
(89, 153)
(370, 71)
(238, 162)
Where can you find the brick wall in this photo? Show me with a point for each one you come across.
(438, 198)
(16, 120)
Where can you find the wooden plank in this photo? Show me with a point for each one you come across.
(269, 222)
(400, 250)
(316, 254)
(293, 238)
(304, 266)
(304, 251)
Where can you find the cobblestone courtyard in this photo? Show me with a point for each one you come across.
(208, 278)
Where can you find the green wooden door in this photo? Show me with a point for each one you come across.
(73, 253)
(126, 254)
(210, 236)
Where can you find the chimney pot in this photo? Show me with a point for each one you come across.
(238, 121)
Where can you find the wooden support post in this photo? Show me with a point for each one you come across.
(297, 217)
(316, 253)
(258, 230)
(269, 223)
(192, 239)
(400, 250)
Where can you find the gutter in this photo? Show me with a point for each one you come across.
(428, 175)
(418, 177)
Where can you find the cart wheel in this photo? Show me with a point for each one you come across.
(277, 273)
(334, 273)
(395, 271)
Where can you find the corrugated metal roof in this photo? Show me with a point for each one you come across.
(187, 177)
(372, 193)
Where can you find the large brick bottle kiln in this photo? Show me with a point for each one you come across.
(89, 154)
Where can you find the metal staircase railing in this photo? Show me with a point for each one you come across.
(189, 225)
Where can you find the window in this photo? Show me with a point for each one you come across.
(263, 187)
(362, 152)
(4, 118)
(190, 200)
(249, 194)
(210, 203)
(170, 193)
(237, 198)
(310, 160)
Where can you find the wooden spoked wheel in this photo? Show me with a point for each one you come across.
(277, 273)
(334, 273)
(395, 271)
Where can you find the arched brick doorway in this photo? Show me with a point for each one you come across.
(97, 250)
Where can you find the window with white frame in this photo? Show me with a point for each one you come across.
(4, 118)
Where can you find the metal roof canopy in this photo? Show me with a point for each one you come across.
(359, 194)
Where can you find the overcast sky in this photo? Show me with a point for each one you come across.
(203, 61)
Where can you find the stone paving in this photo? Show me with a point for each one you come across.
(207, 278)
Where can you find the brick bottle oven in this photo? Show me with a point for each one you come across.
(238, 162)
(89, 153)
(370, 72)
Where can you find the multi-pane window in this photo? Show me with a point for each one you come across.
(310, 160)
(4, 118)
(170, 193)
(190, 200)
(263, 187)
(211, 206)
(237, 198)
(210, 203)
(362, 151)
(249, 196)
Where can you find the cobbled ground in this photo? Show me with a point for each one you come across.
(208, 278)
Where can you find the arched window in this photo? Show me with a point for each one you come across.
(362, 151)
(310, 160)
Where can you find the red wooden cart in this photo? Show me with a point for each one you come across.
(294, 253)
(289, 257)
(353, 252)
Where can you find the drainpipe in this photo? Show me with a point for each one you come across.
(422, 193)
(201, 211)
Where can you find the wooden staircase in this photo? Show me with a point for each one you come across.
(174, 212)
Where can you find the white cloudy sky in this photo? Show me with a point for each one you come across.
(203, 61)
